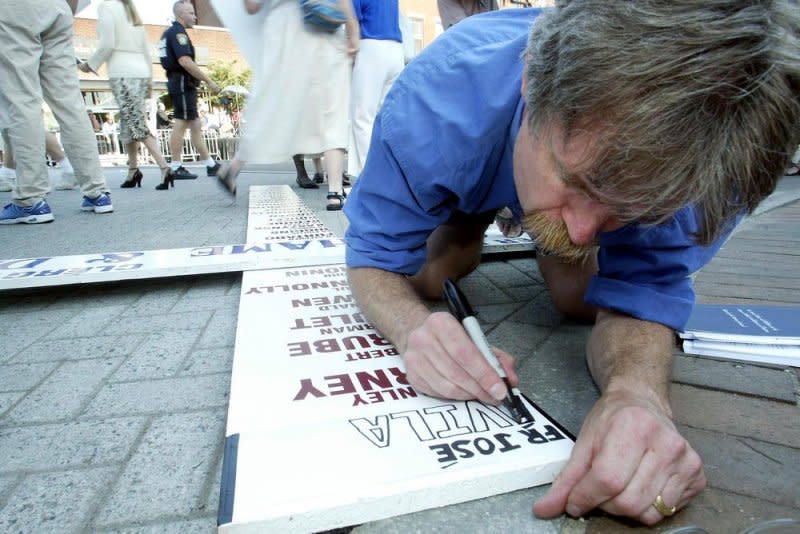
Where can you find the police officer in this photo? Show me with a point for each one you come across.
(183, 78)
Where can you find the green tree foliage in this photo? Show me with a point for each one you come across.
(227, 73)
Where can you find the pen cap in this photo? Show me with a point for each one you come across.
(456, 301)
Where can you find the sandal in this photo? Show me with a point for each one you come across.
(339, 197)
(226, 179)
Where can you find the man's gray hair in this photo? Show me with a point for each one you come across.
(689, 101)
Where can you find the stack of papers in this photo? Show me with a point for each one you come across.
(758, 333)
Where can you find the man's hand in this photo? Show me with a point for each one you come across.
(213, 87)
(507, 224)
(627, 453)
(83, 66)
(442, 361)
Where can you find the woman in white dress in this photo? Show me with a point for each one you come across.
(300, 94)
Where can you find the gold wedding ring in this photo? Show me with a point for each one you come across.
(662, 508)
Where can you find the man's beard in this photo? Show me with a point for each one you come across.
(553, 238)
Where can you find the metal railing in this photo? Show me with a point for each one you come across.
(112, 152)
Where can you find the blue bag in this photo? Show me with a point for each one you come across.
(323, 14)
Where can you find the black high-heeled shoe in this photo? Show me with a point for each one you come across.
(134, 180)
(226, 179)
(168, 181)
(339, 198)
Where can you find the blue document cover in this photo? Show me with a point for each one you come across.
(761, 323)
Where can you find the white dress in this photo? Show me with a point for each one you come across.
(300, 92)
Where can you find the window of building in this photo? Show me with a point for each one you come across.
(418, 30)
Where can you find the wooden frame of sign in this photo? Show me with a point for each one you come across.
(283, 231)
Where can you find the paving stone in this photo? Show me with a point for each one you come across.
(21, 330)
(87, 322)
(528, 266)
(221, 330)
(492, 314)
(67, 445)
(181, 449)
(208, 361)
(510, 512)
(147, 324)
(54, 502)
(100, 346)
(736, 414)
(210, 302)
(481, 292)
(160, 396)
(209, 286)
(215, 477)
(207, 525)
(553, 372)
(27, 302)
(503, 274)
(7, 485)
(748, 467)
(157, 300)
(714, 510)
(161, 355)
(735, 377)
(24, 376)
(64, 393)
(539, 311)
(7, 400)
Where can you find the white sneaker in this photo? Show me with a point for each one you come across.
(66, 182)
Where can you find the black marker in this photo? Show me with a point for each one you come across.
(459, 306)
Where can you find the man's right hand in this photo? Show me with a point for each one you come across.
(442, 361)
(213, 87)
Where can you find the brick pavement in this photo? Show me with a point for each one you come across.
(113, 396)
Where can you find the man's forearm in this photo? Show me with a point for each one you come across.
(389, 302)
(631, 356)
(192, 68)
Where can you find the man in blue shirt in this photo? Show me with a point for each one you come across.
(377, 64)
(628, 155)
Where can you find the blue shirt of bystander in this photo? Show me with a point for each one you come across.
(443, 141)
(379, 19)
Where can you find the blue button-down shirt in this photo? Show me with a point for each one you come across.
(443, 141)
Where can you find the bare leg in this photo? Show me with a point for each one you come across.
(454, 251)
(567, 283)
(176, 141)
(334, 163)
(133, 156)
(199, 143)
(152, 147)
(317, 164)
(53, 147)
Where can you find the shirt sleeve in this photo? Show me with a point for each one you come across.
(645, 271)
(106, 38)
(391, 219)
(180, 44)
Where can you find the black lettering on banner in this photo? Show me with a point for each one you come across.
(463, 449)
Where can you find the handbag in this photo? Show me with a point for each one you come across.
(324, 15)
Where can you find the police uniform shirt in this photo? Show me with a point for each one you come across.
(174, 44)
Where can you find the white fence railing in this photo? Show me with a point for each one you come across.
(111, 151)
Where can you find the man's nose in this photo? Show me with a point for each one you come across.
(583, 227)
